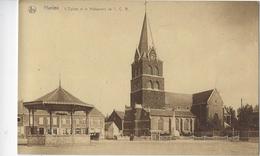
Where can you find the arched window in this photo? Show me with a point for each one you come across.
(136, 72)
(177, 124)
(186, 124)
(154, 124)
(156, 70)
(150, 70)
(156, 85)
(150, 84)
(139, 71)
(160, 124)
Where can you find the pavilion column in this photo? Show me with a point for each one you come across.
(60, 118)
(30, 121)
(50, 122)
(189, 127)
(123, 127)
(182, 124)
(30, 118)
(71, 119)
(179, 125)
(86, 122)
(173, 124)
(33, 118)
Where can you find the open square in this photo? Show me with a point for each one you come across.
(175, 147)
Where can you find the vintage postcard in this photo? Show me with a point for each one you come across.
(138, 77)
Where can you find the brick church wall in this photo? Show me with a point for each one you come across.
(215, 106)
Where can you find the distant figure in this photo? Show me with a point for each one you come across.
(131, 137)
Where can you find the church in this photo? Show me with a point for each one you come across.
(153, 110)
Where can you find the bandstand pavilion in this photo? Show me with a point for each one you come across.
(58, 100)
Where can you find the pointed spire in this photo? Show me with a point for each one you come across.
(143, 43)
(146, 40)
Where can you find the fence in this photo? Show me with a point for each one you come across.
(167, 138)
(208, 135)
(217, 133)
(249, 135)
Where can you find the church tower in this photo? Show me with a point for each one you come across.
(147, 83)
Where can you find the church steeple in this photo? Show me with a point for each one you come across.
(146, 40)
(147, 83)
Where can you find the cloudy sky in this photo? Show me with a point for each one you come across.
(91, 44)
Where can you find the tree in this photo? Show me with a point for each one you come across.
(256, 108)
(244, 116)
(106, 118)
(231, 119)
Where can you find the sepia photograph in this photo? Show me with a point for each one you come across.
(138, 77)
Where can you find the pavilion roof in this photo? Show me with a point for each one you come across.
(57, 99)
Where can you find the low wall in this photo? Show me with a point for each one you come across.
(35, 140)
(56, 140)
(67, 140)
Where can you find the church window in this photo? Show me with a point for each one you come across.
(153, 124)
(156, 85)
(186, 124)
(139, 71)
(160, 124)
(150, 70)
(177, 124)
(150, 84)
(136, 85)
(136, 72)
(156, 71)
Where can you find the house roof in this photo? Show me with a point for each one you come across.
(121, 114)
(184, 114)
(95, 112)
(177, 99)
(202, 97)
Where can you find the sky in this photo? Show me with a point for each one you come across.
(91, 45)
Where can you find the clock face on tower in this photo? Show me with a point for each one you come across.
(152, 55)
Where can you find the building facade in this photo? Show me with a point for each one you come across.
(208, 108)
(117, 117)
(111, 130)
